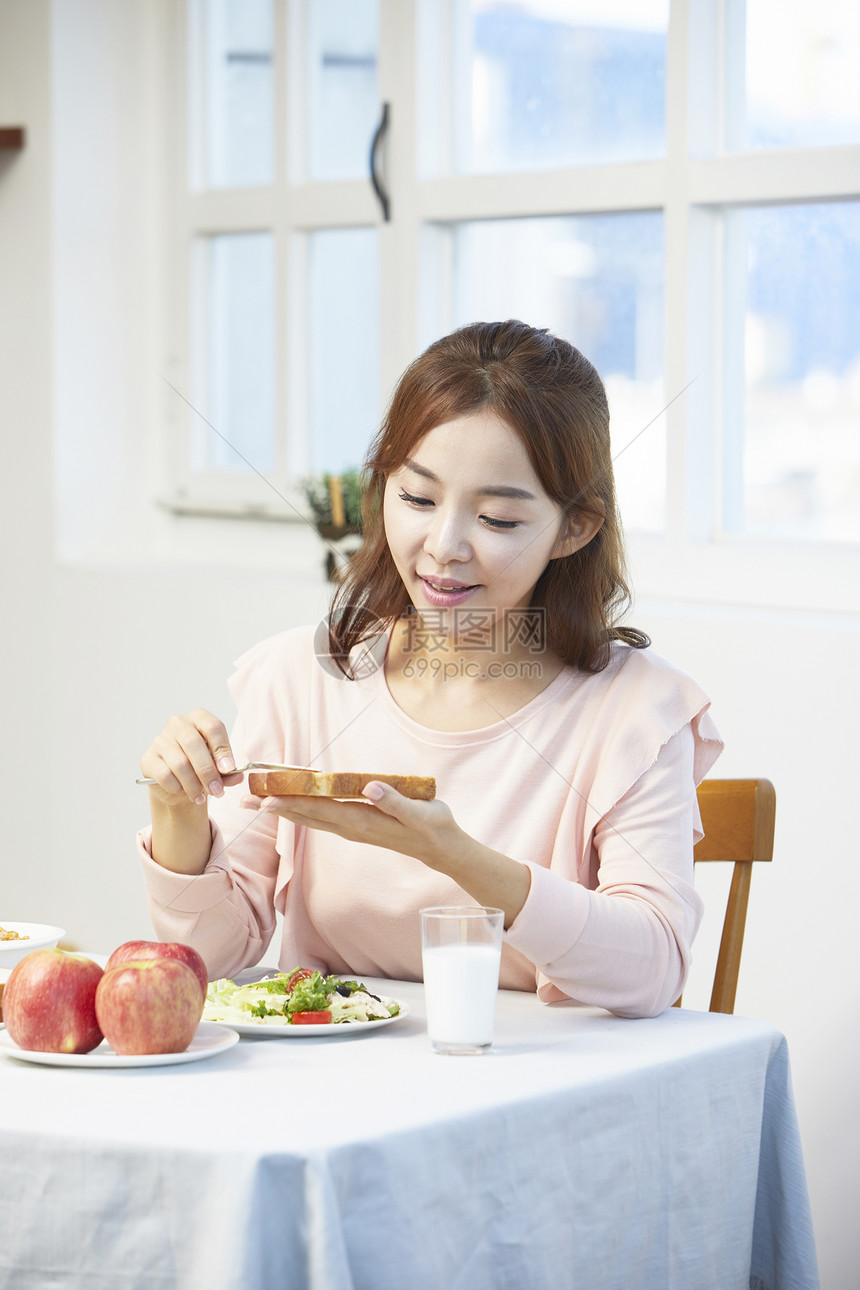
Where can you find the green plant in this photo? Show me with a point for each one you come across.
(316, 491)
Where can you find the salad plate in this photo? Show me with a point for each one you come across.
(211, 1038)
(340, 1030)
(327, 1004)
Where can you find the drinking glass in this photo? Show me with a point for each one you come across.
(461, 949)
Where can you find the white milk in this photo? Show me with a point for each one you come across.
(460, 986)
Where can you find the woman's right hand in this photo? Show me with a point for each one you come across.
(190, 760)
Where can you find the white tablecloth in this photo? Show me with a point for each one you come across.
(584, 1151)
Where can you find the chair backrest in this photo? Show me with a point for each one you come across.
(738, 817)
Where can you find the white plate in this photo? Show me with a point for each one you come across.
(342, 1030)
(101, 959)
(209, 1040)
(40, 936)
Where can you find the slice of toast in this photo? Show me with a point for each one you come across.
(298, 782)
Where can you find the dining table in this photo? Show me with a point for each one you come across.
(583, 1150)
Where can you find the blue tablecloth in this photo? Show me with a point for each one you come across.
(584, 1151)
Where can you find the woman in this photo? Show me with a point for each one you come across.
(474, 640)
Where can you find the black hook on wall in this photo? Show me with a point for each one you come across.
(375, 147)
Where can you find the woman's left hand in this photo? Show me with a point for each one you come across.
(425, 830)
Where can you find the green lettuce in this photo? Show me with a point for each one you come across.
(309, 995)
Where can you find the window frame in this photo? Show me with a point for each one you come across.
(693, 559)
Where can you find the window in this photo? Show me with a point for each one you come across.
(598, 278)
(799, 76)
(234, 330)
(343, 345)
(795, 471)
(673, 186)
(233, 72)
(556, 85)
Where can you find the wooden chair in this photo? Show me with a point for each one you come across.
(738, 817)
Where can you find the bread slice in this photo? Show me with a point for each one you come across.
(297, 782)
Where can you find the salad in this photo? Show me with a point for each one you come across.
(301, 997)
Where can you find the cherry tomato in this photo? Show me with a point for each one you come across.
(311, 1018)
(300, 974)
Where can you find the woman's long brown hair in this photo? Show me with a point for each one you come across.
(552, 396)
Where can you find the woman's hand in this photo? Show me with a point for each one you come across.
(190, 760)
(425, 830)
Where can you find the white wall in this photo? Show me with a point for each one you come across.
(26, 415)
(95, 655)
(784, 695)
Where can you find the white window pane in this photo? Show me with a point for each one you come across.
(236, 348)
(239, 89)
(557, 82)
(800, 74)
(800, 458)
(343, 106)
(343, 346)
(597, 281)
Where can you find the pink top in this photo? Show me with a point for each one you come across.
(591, 784)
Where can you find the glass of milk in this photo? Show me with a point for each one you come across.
(461, 947)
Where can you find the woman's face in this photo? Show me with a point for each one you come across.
(468, 522)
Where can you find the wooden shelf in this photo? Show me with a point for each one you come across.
(11, 138)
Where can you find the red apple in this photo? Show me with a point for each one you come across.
(49, 1002)
(149, 1005)
(162, 950)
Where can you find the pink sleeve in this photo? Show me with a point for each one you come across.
(228, 912)
(624, 946)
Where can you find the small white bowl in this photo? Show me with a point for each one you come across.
(40, 936)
